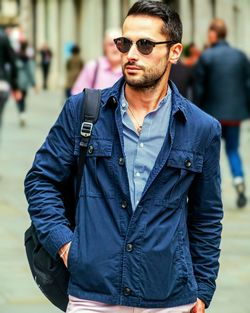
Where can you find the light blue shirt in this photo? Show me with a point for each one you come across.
(141, 151)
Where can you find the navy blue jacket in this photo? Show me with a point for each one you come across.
(222, 86)
(164, 254)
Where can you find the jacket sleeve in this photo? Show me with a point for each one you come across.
(10, 57)
(204, 218)
(51, 169)
(247, 68)
(199, 81)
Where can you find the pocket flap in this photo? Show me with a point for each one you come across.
(96, 147)
(185, 160)
(100, 147)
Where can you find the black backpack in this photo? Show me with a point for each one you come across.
(52, 276)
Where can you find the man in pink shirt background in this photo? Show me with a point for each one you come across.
(104, 71)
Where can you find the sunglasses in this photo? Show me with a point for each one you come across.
(144, 46)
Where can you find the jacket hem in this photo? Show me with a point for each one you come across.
(132, 301)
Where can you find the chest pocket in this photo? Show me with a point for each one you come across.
(99, 147)
(185, 160)
(99, 170)
(178, 174)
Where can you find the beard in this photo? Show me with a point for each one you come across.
(149, 80)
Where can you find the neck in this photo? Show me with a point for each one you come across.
(145, 100)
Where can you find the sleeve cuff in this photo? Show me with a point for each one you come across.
(58, 237)
(205, 293)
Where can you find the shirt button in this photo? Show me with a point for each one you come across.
(141, 144)
(124, 204)
(137, 174)
(121, 161)
(129, 247)
(188, 163)
(90, 149)
(127, 291)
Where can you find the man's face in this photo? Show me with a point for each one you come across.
(139, 70)
(111, 52)
(212, 37)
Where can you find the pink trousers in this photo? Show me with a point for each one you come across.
(85, 306)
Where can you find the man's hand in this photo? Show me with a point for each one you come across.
(17, 94)
(199, 307)
(63, 252)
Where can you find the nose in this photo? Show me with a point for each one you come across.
(133, 53)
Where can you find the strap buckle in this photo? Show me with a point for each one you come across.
(86, 129)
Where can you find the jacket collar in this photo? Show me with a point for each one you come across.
(179, 103)
(179, 109)
(221, 42)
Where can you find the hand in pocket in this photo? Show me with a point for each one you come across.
(199, 307)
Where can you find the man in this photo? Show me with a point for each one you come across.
(182, 73)
(46, 59)
(148, 218)
(104, 71)
(74, 65)
(8, 72)
(223, 90)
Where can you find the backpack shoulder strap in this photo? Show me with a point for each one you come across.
(90, 113)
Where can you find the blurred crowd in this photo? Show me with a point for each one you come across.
(216, 78)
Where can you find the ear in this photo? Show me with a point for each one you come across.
(175, 53)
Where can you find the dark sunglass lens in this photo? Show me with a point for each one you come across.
(145, 46)
(123, 44)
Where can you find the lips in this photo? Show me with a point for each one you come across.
(132, 68)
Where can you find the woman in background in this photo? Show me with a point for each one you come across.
(25, 79)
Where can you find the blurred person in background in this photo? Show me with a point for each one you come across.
(74, 66)
(46, 58)
(182, 72)
(191, 54)
(104, 71)
(26, 79)
(8, 72)
(222, 89)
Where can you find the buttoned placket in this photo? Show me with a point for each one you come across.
(125, 203)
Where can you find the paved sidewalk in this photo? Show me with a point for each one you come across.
(18, 292)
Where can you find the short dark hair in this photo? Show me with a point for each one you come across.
(218, 25)
(75, 49)
(172, 22)
(23, 45)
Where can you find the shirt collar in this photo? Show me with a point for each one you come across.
(179, 107)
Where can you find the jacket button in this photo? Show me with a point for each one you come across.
(90, 149)
(127, 291)
(129, 247)
(124, 204)
(121, 161)
(188, 163)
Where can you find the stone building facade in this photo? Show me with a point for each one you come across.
(61, 23)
